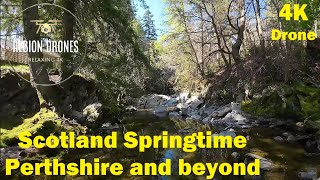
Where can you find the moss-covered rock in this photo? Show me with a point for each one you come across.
(310, 102)
(299, 102)
(43, 123)
(275, 101)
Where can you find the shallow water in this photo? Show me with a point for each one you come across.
(289, 158)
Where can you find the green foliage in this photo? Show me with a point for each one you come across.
(312, 11)
(310, 102)
(300, 102)
(23, 69)
(119, 62)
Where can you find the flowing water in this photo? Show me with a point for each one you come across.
(289, 158)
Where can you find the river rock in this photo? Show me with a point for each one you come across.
(220, 113)
(175, 115)
(171, 102)
(92, 112)
(311, 146)
(192, 112)
(194, 102)
(160, 109)
(164, 96)
(265, 164)
(207, 120)
(152, 101)
(76, 114)
(182, 106)
(235, 156)
(233, 118)
(286, 134)
(15, 152)
(309, 174)
(196, 117)
(300, 124)
(225, 133)
(109, 126)
(278, 139)
(246, 126)
(235, 107)
(291, 138)
(131, 109)
(183, 112)
(183, 97)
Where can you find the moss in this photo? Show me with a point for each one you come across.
(24, 69)
(299, 101)
(310, 102)
(275, 102)
(86, 76)
(43, 123)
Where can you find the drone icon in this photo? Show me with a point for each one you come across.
(47, 27)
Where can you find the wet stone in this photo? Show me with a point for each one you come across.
(278, 139)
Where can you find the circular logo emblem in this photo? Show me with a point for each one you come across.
(50, 52)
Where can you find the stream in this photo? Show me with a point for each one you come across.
(289, 159)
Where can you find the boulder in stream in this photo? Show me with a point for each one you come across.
(171, 102)
(265, 164)
(160, 109)
(235, 156)
(92, 112)
(194, 102)
(221, 112)
(310, 173)
(174, 115)
(278, 139)
(131, 109)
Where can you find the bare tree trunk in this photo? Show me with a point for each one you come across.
(68, 22)
(277, 5)
(218, 35)
(259, 28)
(241, 27)
(38, 73)
(194, 55)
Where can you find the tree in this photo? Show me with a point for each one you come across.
(150, 32)
(240, 28)
(149, 27)
(257, 9)
(38, 73)
(69, 25)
